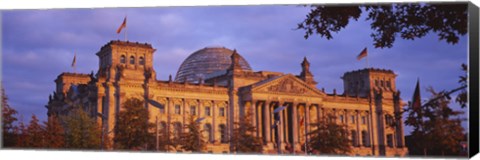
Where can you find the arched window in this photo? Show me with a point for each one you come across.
(223, 133)
(354, 138)
(132, 59)
(141, 61)
(122, 59)
(208, 129)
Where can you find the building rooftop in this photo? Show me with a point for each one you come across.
(206, 61)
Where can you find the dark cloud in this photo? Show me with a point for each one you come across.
(40, 44)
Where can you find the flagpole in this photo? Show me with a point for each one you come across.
(367, 62)
(126, 27)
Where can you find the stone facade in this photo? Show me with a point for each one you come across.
(367, 107)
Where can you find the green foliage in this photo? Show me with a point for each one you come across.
(8, 118)
(82, 132)
(409, 21)
(193, 140)
(329, 138)
(132, 127)
(243, 139)
(437, 128)
(54, 134)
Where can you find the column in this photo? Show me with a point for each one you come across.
(266, 121)
(167, 111)
(295, 124)
(285, 123)
(254, 114)
(271, 121)
(282, 122)
(358, 127)
(319, 113)
(307, 120)
(214, 124)
(258, 109)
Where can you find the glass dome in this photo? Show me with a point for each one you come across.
(206, 61)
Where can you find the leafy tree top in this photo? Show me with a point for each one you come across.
(409, 21)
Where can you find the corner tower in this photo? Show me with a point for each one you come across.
(365, 82)
(131, 60)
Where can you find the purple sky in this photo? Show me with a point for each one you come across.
(38, 45)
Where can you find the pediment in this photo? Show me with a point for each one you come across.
(286, 84)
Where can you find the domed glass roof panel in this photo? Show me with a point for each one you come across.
(206, 61)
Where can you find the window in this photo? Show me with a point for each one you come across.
(122, 59)
(207, 111)
(364, 120)
(208, 129)
(352, 119)
(132, 60)
(390, 140)
(177, 131)
(354, 138)
(221, 112)
(331, 119)
(342, 119)
(163, 128)
(365, 140)
(376, 83)
(193, 110)
(389, 85)
(382, 83)
(141, 61)
(161, 108)
(177, 109)
(223, 133)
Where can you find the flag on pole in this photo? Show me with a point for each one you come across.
(74, 60)
(416, 104)
(362, 54)
(123, 25)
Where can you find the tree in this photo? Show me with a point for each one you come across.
(437, 128)
(193, 139)
(462, 97)
(410, 21)
(8, 118)
(82, 131)
(132, 127)
(329, 138)
(165, 140)
(243, 139)
(21, 138)
(35, 136)
(54, 133)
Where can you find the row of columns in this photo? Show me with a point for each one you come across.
(288, 132)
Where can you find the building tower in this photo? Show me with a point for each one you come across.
(306, 75)
(378, 85)
(368, 81)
